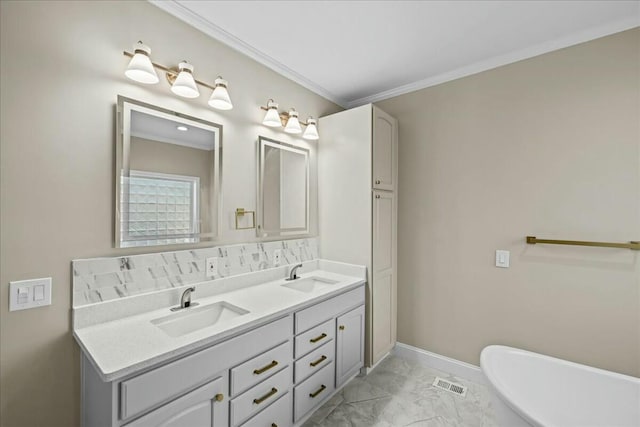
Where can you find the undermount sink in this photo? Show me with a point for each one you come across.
(309, 284)
(193, 319)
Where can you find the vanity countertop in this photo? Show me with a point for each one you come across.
(120, 347)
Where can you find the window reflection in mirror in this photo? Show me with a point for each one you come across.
(283, 206)
(168, 167)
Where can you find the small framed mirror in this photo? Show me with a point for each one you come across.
(167, 176)
(283, 189)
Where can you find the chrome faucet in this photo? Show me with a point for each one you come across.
(185, 299)
(292, 273)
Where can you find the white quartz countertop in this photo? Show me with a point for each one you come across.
(121, 347)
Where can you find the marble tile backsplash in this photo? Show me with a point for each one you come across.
(97, 280)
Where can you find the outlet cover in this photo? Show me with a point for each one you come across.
(31, 293)
(211, 266)
(277, 257)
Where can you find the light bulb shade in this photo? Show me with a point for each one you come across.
(293, 125)
(185, 85)
(140, 68)
(220, 99)
(272, 118)
(311, 132)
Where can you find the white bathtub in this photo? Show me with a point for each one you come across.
(532, 389)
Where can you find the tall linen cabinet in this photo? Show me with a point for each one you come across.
(357, 198)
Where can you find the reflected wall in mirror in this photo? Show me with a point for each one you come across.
(167, 176)
(283, 189)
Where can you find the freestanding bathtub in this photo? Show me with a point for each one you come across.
(531, 389)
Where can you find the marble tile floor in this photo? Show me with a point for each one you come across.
(398, 393)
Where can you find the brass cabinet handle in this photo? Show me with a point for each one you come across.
(341, 327)
(265, 368)
(266, 396)
(316, 339)
(318, 391)
(274, 425)
(377, 181)
(377, 196)
(317, 362)
(219, 397)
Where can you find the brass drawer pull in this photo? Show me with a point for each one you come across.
(377, 181)
(265, 368)
(266, 396)
(274, 425)
(341, 327)
(317, 362)
(318, 391)
(219, 397)
(316, 339)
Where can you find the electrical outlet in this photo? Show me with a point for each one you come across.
(277, 257)
(211, 267)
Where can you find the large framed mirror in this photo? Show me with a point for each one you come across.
(283, 189)
(168, 169)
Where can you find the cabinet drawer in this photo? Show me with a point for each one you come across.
(314, 338)
(167, 382)
(260, 367)
(313, 391)
(278, 414)
(259, 397)
(309, 317)
(314, 361)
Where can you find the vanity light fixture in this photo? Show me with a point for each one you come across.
(220, 99)
(290, 121)
(311, 132)
(141, 69)
(272, 118)
(184, 84)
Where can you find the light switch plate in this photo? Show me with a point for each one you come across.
(502, 258)
(211, 267)
(30, 293)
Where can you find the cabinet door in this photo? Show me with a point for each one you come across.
(385, 150)
(206, 406)
(349, 344)
(383, 286)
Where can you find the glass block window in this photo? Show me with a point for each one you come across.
(159, 206)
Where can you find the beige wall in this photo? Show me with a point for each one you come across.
(549, 146)
(61, 71)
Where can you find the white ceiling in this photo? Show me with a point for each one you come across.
(354, 52)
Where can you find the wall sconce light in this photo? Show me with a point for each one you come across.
(311, 132)
(183, 84)
(220, 97)
(142, 70)
(272, 118)
(293, 124)
(290, 121)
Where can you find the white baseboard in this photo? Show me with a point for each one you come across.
(442, 363)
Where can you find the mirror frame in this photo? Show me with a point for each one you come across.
(124, 107)
(282, 232)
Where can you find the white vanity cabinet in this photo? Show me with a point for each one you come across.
(317, 351)
(199, 408)
(349, 344)
(270, 374)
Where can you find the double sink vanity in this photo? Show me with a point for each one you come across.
(249, 350)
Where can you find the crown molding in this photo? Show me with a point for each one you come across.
(498, 61)
(183, 13)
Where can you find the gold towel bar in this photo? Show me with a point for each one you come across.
(532, 240)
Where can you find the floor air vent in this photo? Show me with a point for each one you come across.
(454, 388)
